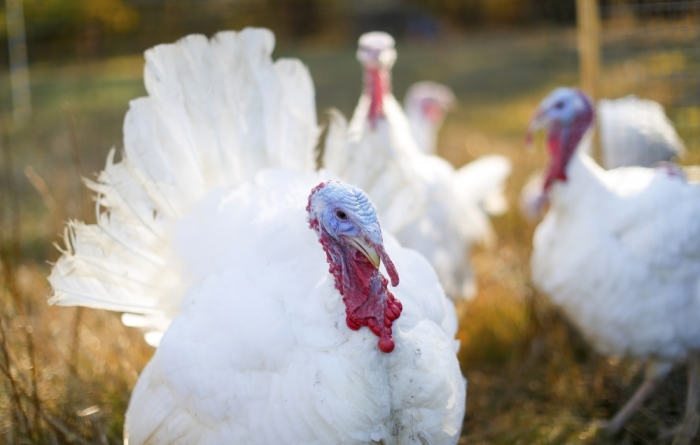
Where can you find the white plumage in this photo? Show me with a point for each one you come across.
(636, 131)
(204, 236)
(191, 135)
(619, 250)
(420, 198)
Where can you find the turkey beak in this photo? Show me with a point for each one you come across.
(374, 251)
(366, 249)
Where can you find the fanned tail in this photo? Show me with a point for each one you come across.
(636, 131)
(218, 111)
(335, 154)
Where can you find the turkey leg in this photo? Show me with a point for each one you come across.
(689, 427)
(654, 374)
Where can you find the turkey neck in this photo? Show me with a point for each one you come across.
(367, 299)
(583, 188)
(573, 178)
(563, 138)
(377, 83)
(424, 130)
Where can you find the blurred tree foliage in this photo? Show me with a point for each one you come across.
(70, 17)
(113, 15)
(82, 24)
(503, 12)
(68, 28)
(87, 28)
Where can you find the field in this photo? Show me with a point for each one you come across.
(67, 373)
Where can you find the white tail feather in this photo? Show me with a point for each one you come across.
(335, 155)
(389, 175)
(483, 181)
(636, 131)
(218, 111)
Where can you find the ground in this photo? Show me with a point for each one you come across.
(68, 372)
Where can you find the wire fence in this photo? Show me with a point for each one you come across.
(651, 49)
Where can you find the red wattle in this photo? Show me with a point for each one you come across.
(351, 324)
(367, 299)
(377, 88)
(556, 164)
(386, 345)
(432, 111)
(563, 139)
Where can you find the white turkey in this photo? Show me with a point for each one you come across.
(420, 198)
(426, 104)
(619, 253)
(633, 132)
(209, 235)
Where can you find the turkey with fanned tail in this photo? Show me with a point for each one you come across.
(208, 239)
(420, 198)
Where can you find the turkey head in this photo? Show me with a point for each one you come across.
(566, 114)
(377, 55)
(431, 100)
(346, 224)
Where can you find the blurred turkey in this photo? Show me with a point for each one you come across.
(619, 253)
(426, 104)
(633, 132)
(420, 198)
(209, 236)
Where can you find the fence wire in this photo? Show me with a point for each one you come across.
(651, 49)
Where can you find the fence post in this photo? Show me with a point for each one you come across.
(588, 27)
(19, 70)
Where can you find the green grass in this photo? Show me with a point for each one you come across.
(531, 379)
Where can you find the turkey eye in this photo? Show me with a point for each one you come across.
(559, 105)
(341, 215)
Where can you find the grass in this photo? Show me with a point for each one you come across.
(67, 373)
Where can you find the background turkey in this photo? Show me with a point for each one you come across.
(619, 253)
(427, 204)
(205, 239)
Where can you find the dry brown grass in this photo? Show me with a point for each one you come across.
(67, 372)
(67, 377)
